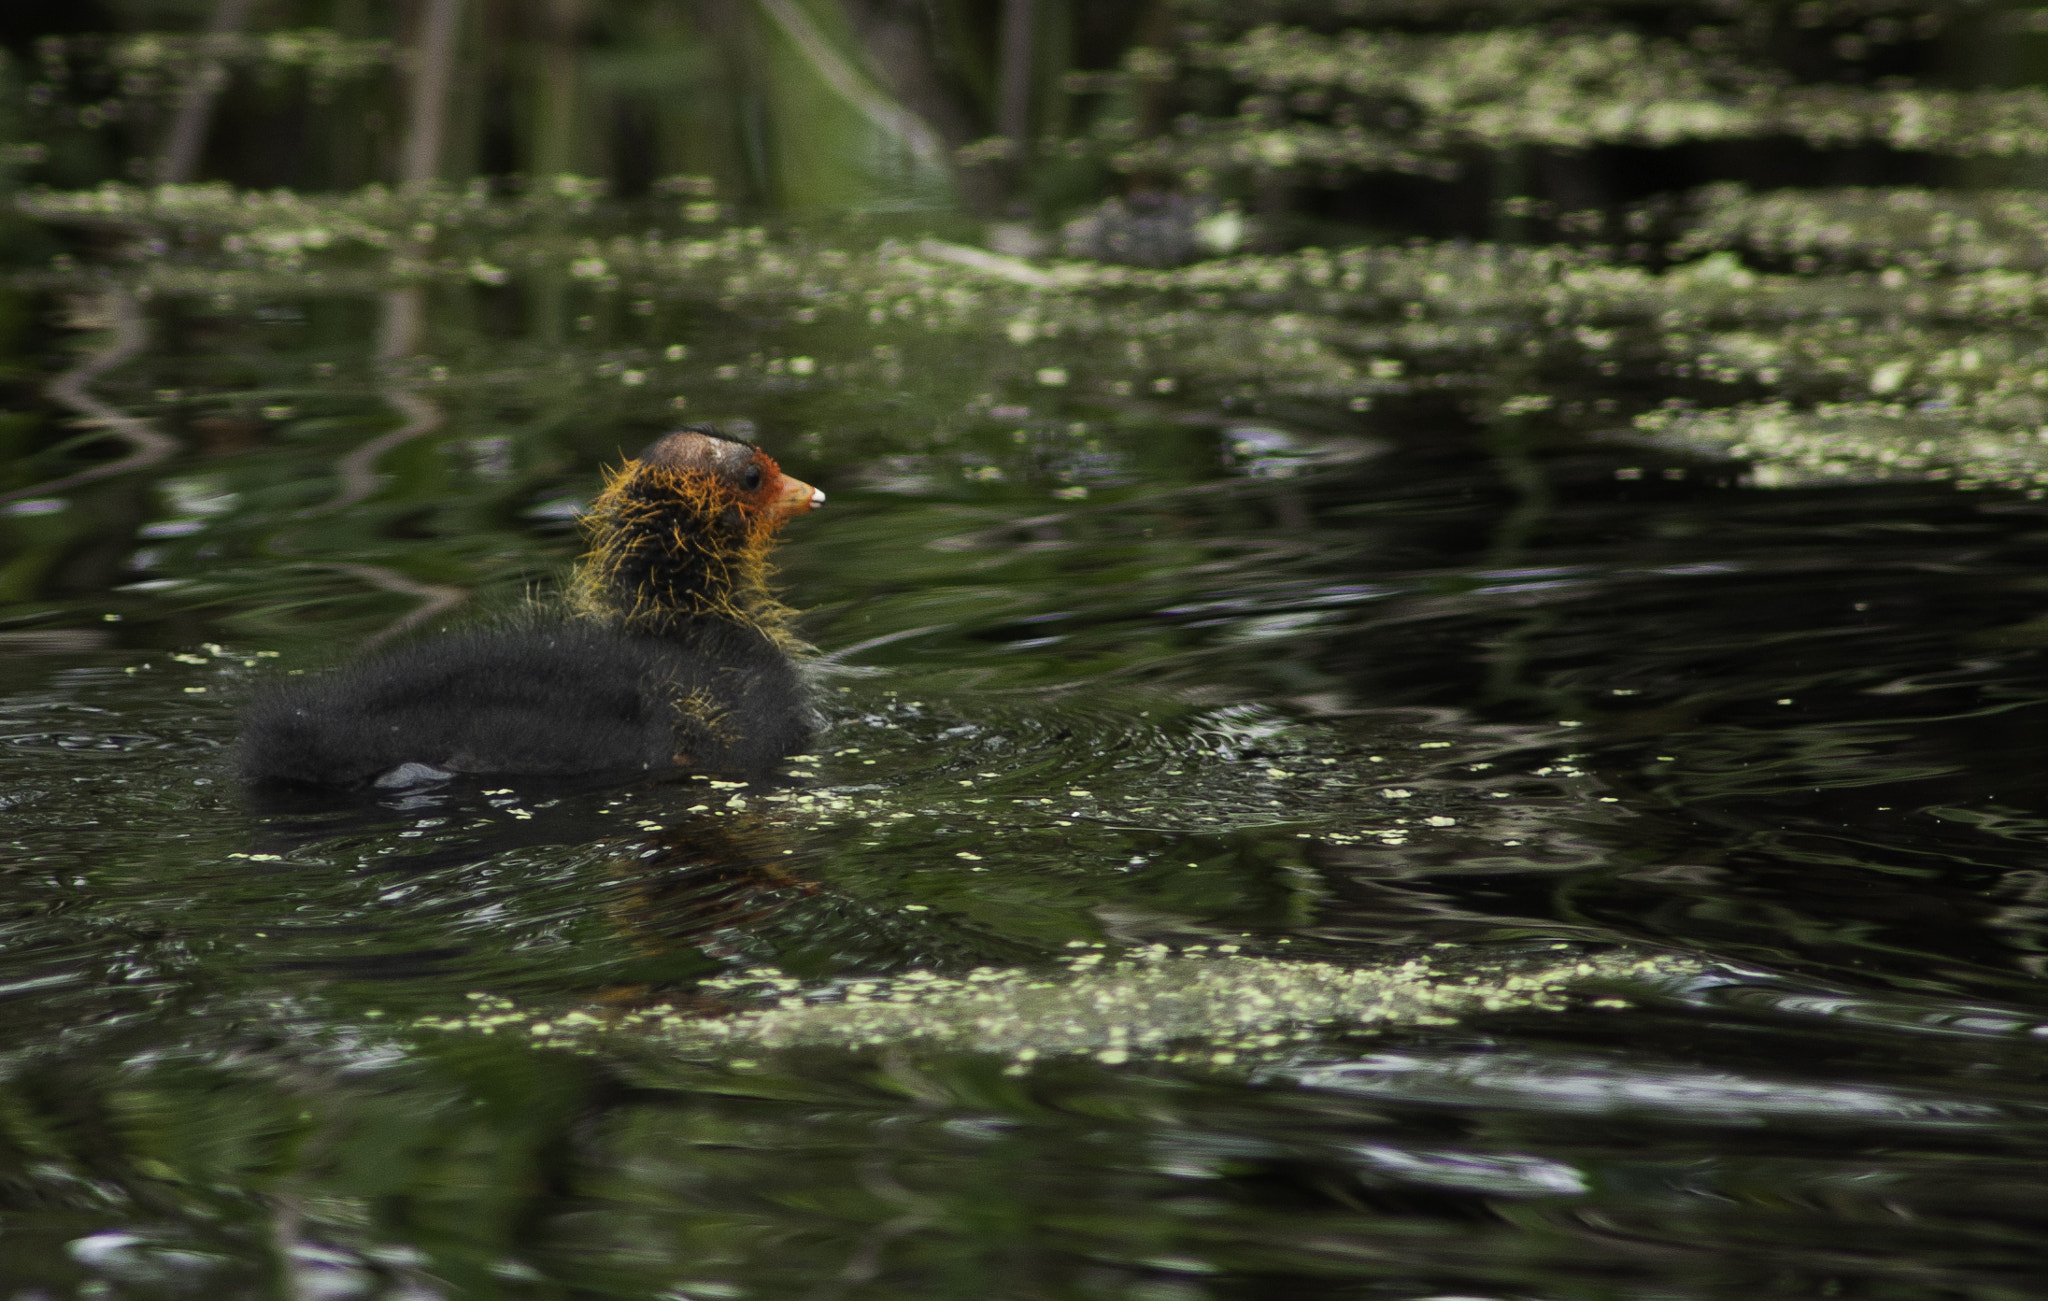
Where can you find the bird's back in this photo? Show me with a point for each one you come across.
(541, 700)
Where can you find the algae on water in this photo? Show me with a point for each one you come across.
(1201, 1005)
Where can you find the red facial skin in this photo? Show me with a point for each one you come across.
(776, 495)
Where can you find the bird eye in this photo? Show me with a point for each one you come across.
(752, 478)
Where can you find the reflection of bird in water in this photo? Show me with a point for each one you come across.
(677, 655)
(697, 890)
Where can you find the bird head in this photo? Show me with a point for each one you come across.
(682, 534)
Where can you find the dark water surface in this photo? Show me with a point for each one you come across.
(1287, 685)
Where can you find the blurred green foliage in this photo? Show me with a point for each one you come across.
(810, 105)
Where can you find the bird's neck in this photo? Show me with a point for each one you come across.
(670, 558)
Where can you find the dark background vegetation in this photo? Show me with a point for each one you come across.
(1037, 103)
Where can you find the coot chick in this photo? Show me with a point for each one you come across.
(674, 654)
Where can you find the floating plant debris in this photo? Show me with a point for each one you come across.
(1209, 1005)
(1859, 441)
